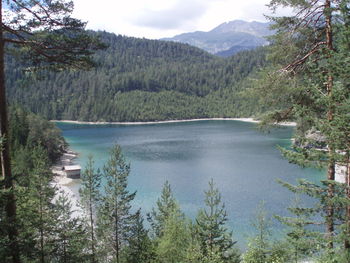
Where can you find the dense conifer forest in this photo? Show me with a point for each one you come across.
(139, 80)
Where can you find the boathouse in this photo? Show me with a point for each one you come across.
(72, 171)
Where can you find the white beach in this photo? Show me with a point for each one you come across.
(252, 120)
(67, 186)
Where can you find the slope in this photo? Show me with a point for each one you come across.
(135, 80)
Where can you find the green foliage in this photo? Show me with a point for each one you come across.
(69, 233)
(211, 227)
(32, 154)
(37, 216)
(43, 34)
(166, 207)
(261, 247)
(47, 232)
(306, 82)
(140, 248)
(28, 130)
(174, 241)
(193, 252)
(303, 242)
(90, 184)
(139, 80)
(114, 216)
(277, 253)
(214, 256)
(89, 196)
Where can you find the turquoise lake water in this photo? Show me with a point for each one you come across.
(243, 162)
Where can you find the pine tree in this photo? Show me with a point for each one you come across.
(34, 191)
(89, 195)
(263, 247)
(49, 36)
(139, 247)
(114, 216)
(302, 242)
(166, 206)
(211, 226)
(259, 247)
(70, 234)
(34, 194)
(316, 21)
(306, 76)
(341, 131)
(193, 252)
(175, 239)
(41, 194)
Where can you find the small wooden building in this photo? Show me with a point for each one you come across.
(72, 171)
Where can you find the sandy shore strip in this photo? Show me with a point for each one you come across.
(67, 186)
(64, 189)
(252, 120)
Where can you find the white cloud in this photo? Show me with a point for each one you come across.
(172, 17)
(160, 18)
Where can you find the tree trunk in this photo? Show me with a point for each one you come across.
(92, 229)
(64, 249)
(331, 163)
(10, 202)
(41, 210)
(117, 235)
(347, 181)
(330, 208)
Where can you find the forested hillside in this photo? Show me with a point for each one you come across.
(139, 80)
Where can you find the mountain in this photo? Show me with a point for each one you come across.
(138, 80)
(227, 38)
(254, 28)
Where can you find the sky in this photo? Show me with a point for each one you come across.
(156, 19)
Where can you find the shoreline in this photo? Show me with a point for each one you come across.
(251, 120)
(67, 186)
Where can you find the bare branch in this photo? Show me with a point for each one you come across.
(292, 66)
(28, 10)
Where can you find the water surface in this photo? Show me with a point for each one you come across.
(243, 162)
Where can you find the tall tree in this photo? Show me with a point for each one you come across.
(211, 226)
(89, 196)
(172, 245)
(115, 218)
(140, 247)
(166, 206)
(49, 36)
(341, 65)
(301, 241)
(304, 77)
(41, 194)
(259, 247)
(70, 233)
(34, 192)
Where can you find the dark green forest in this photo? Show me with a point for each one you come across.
(139, 80)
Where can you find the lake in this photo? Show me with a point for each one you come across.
(243, 162)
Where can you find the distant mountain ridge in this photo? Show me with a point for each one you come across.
(227, 38)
